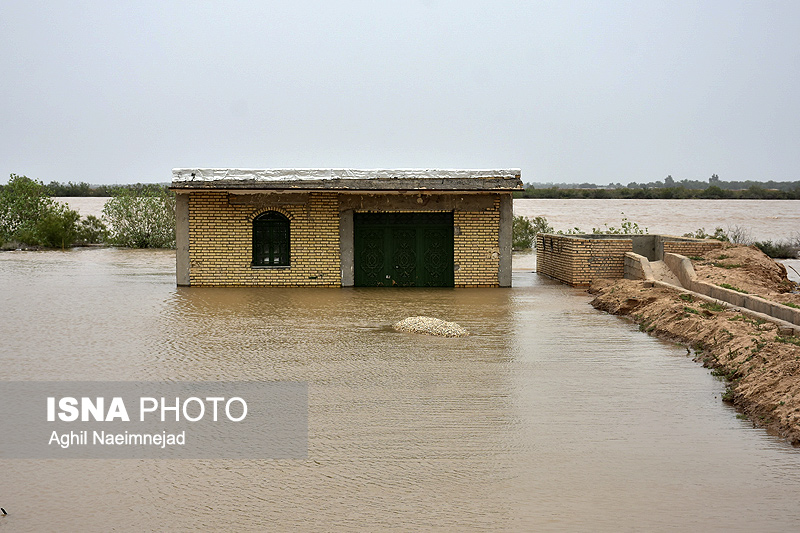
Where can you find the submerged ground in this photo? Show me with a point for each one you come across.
(761, 363)
(550, 415)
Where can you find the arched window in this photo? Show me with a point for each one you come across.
(270, 240)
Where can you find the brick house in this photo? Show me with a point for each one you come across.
(344, 227)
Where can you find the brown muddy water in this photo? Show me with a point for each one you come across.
(763, 219)
(551, 416)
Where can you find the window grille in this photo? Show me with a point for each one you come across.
(270, 240)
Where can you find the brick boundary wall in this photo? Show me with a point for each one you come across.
(577, 260)
(688, 247)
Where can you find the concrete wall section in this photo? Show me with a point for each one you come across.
(416, 201)
(645, 246)
(505, 238)
(637, 267)
(347, 248)
(682, 267)
(182, 240)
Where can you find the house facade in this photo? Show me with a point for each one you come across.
(344, 227)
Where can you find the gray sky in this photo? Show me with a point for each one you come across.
(119, 92)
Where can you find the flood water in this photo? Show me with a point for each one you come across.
(774, 220)
(763, 219)
(550, 416)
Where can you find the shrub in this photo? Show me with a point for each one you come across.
(29, 216)
(91, 230)
(525, 230)
(57, 228)
(778, 250)
(713, 306)
(22, 203)
(788, 340)
(729, 395)
(731, 287)
(719, 234)
(626, 228)
(738, 235)
(146, 220)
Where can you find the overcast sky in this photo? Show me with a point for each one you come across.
(120, 92)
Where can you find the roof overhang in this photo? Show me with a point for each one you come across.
(351, 180)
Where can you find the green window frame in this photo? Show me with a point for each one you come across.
(271, 240)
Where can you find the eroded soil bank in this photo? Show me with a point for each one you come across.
(761, 366)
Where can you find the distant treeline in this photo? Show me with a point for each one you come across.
(55, 188)
(669, 188)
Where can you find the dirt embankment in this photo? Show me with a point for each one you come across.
(761, 366)
(746, 268)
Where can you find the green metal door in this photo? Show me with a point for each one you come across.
(403, 249)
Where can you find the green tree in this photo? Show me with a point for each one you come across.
(142, 220)
(57, 228)
(28, 215)
(713, 191)
(22, 203)
(91, 230)
(524, 231)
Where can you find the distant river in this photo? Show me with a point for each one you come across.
(85, 205)
(764, 219)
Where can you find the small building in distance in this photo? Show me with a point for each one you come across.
(344, 227)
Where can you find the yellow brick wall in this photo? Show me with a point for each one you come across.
(689, 248)
(476, 247)
(579, 261)
(221, 245)
(554, 257)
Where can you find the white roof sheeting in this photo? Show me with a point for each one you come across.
(184, 175)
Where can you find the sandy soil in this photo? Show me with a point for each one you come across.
(746, 267)
(761, 366)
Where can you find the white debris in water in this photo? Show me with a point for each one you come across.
(430, 326)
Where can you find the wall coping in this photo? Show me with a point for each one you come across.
(348, 179)
(682, 267)
(644, 265)
(623, 236)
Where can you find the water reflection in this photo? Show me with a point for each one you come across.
(550, 415)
